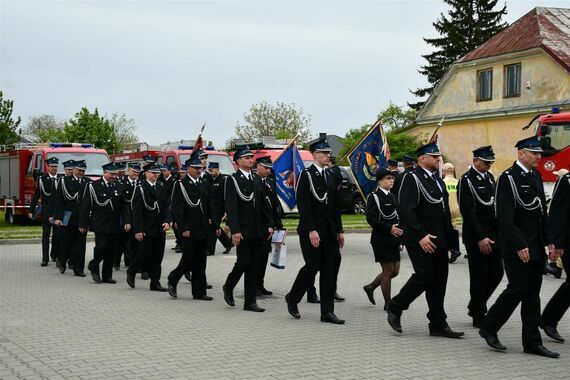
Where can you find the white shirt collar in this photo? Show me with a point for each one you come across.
(384, 190)
(320, 169)
(167, 178)
(151, 183)
(194, 180)
(76, 178)
(481, 174)
(105, 181)
(52, 176)
(525, 170)
(246, 174)
(430, 173)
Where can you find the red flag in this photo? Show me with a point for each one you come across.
(199, 142)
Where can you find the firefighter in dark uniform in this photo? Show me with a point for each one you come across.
(409, 164)
(216, 184)
(264, 171)
(250, 222)
(320, 234)
(480, 236)
(67, 206)
(190, 212)
(128, 242)
(105, 212)
(46, 189)
(167, 178)
(425, 218)
(524, 232)
(392, 166)
(560, 222)
(147, 160)
(150, 221)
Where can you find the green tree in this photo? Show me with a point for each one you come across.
(402, 144)
(91, 128)
(281, 120)
(350, 139)
(125, 129)
(44, 128)
(8, 126)
(469, 23)
(395, 117)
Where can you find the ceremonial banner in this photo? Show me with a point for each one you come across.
(287, 168)
(367, 156)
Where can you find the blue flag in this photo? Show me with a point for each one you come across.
(367, 156)
(287, 168)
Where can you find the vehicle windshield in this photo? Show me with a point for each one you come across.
(555, 136)
(94, 161)
(226, 166)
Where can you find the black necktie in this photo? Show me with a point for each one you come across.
(325, 175)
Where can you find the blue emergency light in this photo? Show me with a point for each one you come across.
(185, 147)
(555, 110)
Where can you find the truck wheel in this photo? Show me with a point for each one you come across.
(15, 219)
(358, 206)
(10, 216)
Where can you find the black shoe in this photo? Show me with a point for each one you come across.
(95, 276)
(453, 255)
(131, 279)
(553, 269)
(292, 307)
(80, 274)
(492, 340)
(540, 350)
(228, 249)
(210, 253)
(44, 264)
(338, 297)
(178, 250)
(447, 332)
(228, 296)
(254, 307)
(61, 266)
(175, 247)
(172, 290)
(263, 292)
(552, 333)
(208, 286)
(332, 318)
(203, 298)
(158, 288)
(145, 276)
(188, 276)
(313, 299)
(394, 321)
(370, 293)
(110, 281)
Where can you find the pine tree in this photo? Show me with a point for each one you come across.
(469, 24)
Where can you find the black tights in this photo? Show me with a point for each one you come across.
(384, 279)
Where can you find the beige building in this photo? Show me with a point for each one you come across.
(489, 95)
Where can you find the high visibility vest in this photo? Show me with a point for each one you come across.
(451, 184)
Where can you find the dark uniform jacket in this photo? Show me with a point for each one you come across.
(560, 214)
(323, 214)
(270, 191)
(128, 190)
(419, 216)
(519, 227)
(103, 208)
(46, 190)
(398, 182)
(68, 198)
(382, 224)
(250, 218)
(216, 197)
(149, 209)
(191, 213)
(479, 221)
(168, 184)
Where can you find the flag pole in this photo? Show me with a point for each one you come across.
(379, 121)
(287, 147)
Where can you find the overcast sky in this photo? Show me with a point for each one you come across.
(173, 65)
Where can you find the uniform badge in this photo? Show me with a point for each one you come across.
(479, 178)
(425, 176)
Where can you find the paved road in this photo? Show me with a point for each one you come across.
(57, 326)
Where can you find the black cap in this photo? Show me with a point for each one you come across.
(382, 172)
(391, 162)
(135, 167)
(152, 168)
(242, 153)
(429, 149)
(68, 164)
(213, 165)
(265, 161)
(52, 161)
(111, 167)
(484, 153)
(148, 158)
(408, 159)
(532, 144)
(81, 164)
(320, 146)
(193, 161)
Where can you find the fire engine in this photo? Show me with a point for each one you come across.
(175, 157)
(22, 164)
(554, 132)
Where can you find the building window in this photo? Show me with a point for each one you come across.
(512, 80)
(484, 85)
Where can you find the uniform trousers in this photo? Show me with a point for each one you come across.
(124, 247)
(193, 259)
(322, 259)
(47, 230)
(73, 247)
(150, 253)
(485, 274)
(525, 280)
(560, 301)
(106, 246)
(430, 276)
(248, 252)
(260, 284)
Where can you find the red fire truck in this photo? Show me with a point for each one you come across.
(177, 157)
(21, 165)
(554, 132)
